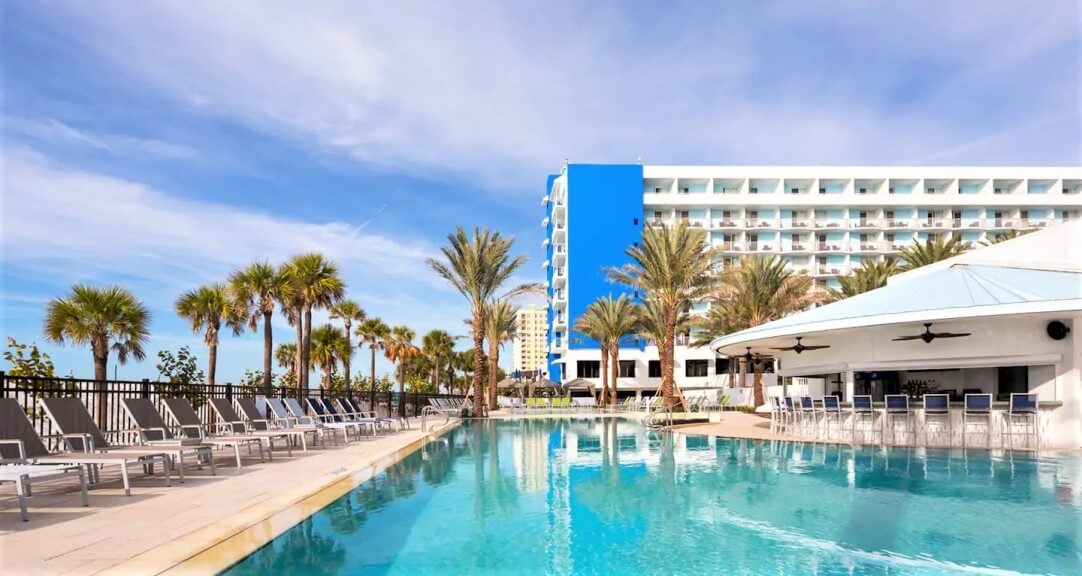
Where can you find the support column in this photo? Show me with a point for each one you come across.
(850, 386)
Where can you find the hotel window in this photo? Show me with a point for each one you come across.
(696, 368)
(822, 190)
(684, 215)
(653, 369)
(627, 368)
(890, 214)
(753, 190)
(589, 368)
(721, 366)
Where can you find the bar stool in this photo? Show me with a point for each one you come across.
(937, 408)
(863, 412)
(832, 413)
(789, 409)
(1022, 410)
(897, 407)
(776, 415)
(977, 409)
(809, 421)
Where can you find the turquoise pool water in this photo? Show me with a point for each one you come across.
(609, 497)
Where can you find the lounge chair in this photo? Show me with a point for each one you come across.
(22, 475)
(258, 422)
(286, 420)
(181, 411)
(231, 422)
(19, 443)
(81, 434)
(320, 417)
(336, 410)
(352, 410)
(153, 432)
(400, 423)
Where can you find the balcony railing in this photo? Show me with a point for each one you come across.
(1000, 222)
(798, 247)
(828, 247)
(827, 223)
(559, 272)
(656, 222)
(731, 247)
(827, 271)
(799, 224)
(898, 223)
(758, 247)
(724, 224)
(865, 223)
(933, 223)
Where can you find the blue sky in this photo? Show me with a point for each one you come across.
(161, 144)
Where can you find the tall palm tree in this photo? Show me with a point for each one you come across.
(672, 265)
(438, 346)
(348, 311)
(870, 275)
(329, 346)
(931, 250)
(373, 333)
(499, 328)
(592, 325)
(652, 326)
(463, 361)
(105, 318)
(206, 308)
(755, 291)
(478, 266)
(293, 309)
(317, 284)
(255, 289)
(398, 349)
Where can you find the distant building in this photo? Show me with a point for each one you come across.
(530, 348)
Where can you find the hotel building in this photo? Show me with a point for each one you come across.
(823, 221)
(530, 345)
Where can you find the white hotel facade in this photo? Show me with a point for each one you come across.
(823, 221)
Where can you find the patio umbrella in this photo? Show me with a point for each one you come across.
(581, 384)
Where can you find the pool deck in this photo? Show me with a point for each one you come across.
(158, 527)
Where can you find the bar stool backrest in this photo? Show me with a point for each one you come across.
(862, 403)
(831, 404)
(937, 404)
(978, 404)
(806, 404)
(1023, 403)
(897, 404)
(775, 404)
(789, 404)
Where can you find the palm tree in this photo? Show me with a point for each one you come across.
(373, 333)
(255, 288)
(652, 325)
(286, 355)
(609, 320)
(1004, 236)
(329, 347)
(317, 284)
(106, 318)
(478, 266)
(347, 311)
(437, 345)
(206, 308)
(931, 250)
(870, 275)
(755, 291)
(672, 265)
(293, 309)
(500, 323)
(398, 349)
(592, 325)
(463, 361)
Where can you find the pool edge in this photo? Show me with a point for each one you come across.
(215, 547)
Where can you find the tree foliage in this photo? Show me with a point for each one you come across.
(27, 360)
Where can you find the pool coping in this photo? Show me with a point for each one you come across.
(215, 547)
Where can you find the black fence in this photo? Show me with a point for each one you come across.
(102, 398)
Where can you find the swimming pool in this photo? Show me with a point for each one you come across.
(588, 496)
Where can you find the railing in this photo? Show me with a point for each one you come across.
(426, 411)
(103, 398)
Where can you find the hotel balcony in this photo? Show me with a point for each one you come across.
(824, 223)
(899, 223)
(973, 224)
(545, 199)
(759, 247)
(797, 269)
(1033, 224)
(559, 320)
(545, 265)
(545, 243)
(760, 223)
(799, 224)
(545, 222)
(995, 223)
(934, 224)
(872, 247)
(866, 223)
(693, 223)
(656, 222)
(827, 271)
(724, 224)
(798, 247)
(829, 247)
(731, 247)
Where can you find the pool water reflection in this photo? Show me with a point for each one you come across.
(587, 496)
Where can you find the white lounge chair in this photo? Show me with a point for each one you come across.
(189, 424)
(231, 422)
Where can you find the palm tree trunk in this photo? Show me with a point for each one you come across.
(299, 351)
(346, 359)
(101, 372)
(758, 383)
(372, 401)
(604, 374)
(268, 351)
(478, 361)
(615, 367)
(401, 388)
(666, 351)
(306, 355)
(212, 362)
(743, 373)
(493, 363)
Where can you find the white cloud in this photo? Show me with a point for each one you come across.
(505, 94)
(51, 131)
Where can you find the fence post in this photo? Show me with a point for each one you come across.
(145, 389)
(229, 392)
(3, 385)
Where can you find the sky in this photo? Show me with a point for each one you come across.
(160, 145)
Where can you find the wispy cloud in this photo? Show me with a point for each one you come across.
(54, 132)
(503, 93)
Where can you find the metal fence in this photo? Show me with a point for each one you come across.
(102, 398)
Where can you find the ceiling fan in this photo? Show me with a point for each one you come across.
(927, 336)
(800, 347)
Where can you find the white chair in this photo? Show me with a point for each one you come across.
(976, 410)
(937, 409)
(1022, 412)
(897, 409)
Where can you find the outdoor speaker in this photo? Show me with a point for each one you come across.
(1057, 330)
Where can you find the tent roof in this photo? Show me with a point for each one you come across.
(990, 281)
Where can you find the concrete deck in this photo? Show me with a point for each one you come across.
(159, 527)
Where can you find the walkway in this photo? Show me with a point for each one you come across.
(158, 527)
